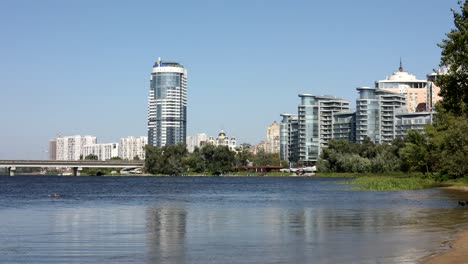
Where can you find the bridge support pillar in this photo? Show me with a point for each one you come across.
(77, 171)
(11, 171)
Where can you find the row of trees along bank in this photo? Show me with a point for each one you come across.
(207, 160)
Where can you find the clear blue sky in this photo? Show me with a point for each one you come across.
(83, 67)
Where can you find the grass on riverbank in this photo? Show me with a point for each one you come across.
(389, 183)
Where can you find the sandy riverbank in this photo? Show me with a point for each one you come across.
(457, 254)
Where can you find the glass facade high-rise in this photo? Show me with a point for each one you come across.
(375, 114)
(167, 104)
(316, 124)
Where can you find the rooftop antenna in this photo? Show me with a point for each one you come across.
(159, 61)
(401, 66)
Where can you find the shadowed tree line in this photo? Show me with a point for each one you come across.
(207, 160)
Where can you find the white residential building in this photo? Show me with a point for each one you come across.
(102, 151)
(273, 138)
(196, 141)
(131, 147)
(71, 147)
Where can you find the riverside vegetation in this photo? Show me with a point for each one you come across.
(440, 154)
(420, 160)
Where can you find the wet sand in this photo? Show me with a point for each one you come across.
(457, 254)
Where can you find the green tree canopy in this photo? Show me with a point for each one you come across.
(454, 85)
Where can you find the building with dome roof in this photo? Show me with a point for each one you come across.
(201, 139)
(405, 83)
(223, 140)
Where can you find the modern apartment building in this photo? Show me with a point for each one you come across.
(273, 138)
(104, 151)
(344, 126)
(71, 147)
(53, 149)
(289, 139)
(405, 83)
(375, 114)
(132, 147)
(432, 89)
(316, 123)
(412, 121)
(167, 104)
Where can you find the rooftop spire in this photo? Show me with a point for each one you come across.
(400, 69)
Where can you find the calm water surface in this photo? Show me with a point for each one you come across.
(219, 220)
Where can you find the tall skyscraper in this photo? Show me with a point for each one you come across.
(167, 104)
(289, 138)
(316, 123)
(375, 114)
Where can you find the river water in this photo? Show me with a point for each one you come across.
(219, 220)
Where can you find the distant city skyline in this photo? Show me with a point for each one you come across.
(82, 67)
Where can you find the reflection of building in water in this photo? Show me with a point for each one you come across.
(166, 228)
(98, 232)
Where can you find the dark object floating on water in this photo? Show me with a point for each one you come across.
(462, 203)
(55, 195)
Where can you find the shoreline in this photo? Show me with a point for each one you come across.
(457, 253)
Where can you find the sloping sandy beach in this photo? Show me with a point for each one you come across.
(458, 253)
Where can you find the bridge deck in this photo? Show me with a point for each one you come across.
(72, 163)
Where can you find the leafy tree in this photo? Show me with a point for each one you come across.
(217, 159)
(449, 142)
(195, 161)
(154, 160)
(454, 85)
(136, 157)
(116, 158)
(174, 159)
(266, 159)
(415, 153)
(345, 156)
(243, 157)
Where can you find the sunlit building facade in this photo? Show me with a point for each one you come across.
(167, 104)
(432, 89)
(412, 121)
(132, 147)
(289, 145)
(222, 140)
(344, 126)
(71, 147)
(196, 141)
(273, 138)
(375, 114)
(405, 83)
(316, 123)
(103, 152)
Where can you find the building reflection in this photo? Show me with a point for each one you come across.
(252, 233)
(166, 231)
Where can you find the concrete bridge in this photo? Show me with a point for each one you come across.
(76, 165)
